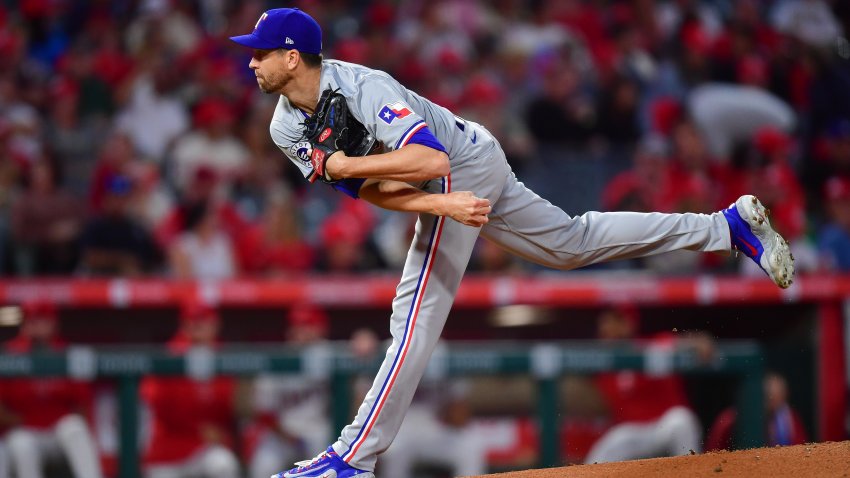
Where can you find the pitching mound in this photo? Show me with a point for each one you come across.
(813, 460)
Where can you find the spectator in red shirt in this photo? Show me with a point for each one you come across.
(783, 425)
(212, 144)
(697, 180)
(115, 158)
(650, 413)
(192, 419)
(346, 240)
(275, 246)
(44, 417)
(202, 190)
(639, 188)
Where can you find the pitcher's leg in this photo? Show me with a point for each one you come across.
(432, 273)
(533, 228)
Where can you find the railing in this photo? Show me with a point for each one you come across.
(546, 362)
(577, 289)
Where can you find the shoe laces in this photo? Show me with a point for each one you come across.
(306, 464)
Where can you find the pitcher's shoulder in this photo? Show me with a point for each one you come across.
(352, 77)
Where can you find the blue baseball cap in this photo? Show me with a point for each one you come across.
(288, 28)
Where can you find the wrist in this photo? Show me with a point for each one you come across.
(337, 165)
(437, 204)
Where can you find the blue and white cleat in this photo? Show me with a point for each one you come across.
(327, 465)
(752, 235)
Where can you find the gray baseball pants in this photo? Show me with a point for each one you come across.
(521, 222)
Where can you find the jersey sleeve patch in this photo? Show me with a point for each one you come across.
(300, 150)
(385, 109)
(391, 111)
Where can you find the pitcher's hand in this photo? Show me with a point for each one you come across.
(465, 208)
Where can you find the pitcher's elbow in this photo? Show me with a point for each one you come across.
(440, 165)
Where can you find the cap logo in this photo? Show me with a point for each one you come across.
(289, 41)
(262, 17)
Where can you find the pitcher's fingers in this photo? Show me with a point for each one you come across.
(482, 210)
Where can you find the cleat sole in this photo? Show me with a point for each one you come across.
(777, 260)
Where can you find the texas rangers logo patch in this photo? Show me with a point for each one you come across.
(301, 151)
(392, 111)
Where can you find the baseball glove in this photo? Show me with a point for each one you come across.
(332, 128)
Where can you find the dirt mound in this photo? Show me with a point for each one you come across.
(830, 459)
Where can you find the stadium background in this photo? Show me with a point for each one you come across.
(143, 110)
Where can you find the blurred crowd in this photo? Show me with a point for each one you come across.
(134, 140)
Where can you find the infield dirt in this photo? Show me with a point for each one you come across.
(827, 460)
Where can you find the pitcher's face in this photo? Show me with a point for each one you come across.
(271, 68)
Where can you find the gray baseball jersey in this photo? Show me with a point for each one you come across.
(521, 222)
(392, 113)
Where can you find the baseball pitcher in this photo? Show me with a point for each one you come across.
(421, 158)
